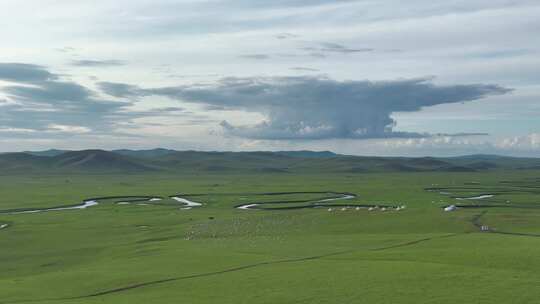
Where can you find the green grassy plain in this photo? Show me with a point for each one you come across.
(217, 254)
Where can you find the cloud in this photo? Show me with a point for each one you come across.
(98, 63)
(50, 92)
(329, 47)
(21, 72)
(283, 36)
(317, 107)
(304, 69)
(69, 129)
(280, 3)
(443, 145)
(66, 49)
(522, 143)
(256, 56)
(39, 100)
(116, 89)
(168, 110)
(40, 104)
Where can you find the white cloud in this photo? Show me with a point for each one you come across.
(68, 129)
(529, 142)
(170, 43)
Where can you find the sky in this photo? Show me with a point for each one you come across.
(360, 77)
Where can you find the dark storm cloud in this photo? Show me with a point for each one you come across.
(319, 108)
(98, 63)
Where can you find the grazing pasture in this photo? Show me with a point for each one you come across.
(311, 238)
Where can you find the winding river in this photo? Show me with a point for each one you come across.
(119, 200)
(325, 202)
(327, 199)
(85, 204)
(189, 204)
(479, 197)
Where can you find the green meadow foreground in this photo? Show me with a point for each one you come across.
(134, 250)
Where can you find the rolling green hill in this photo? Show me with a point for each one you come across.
(163, 160)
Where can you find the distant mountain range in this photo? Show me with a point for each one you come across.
(161, 152)
(164, 160)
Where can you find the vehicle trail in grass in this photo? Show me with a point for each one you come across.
(230, 270)
(411, 243)
(476, 221)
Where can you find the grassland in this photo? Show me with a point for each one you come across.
(159, 253)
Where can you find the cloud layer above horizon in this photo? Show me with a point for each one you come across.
(383, 78)
(315, 107)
